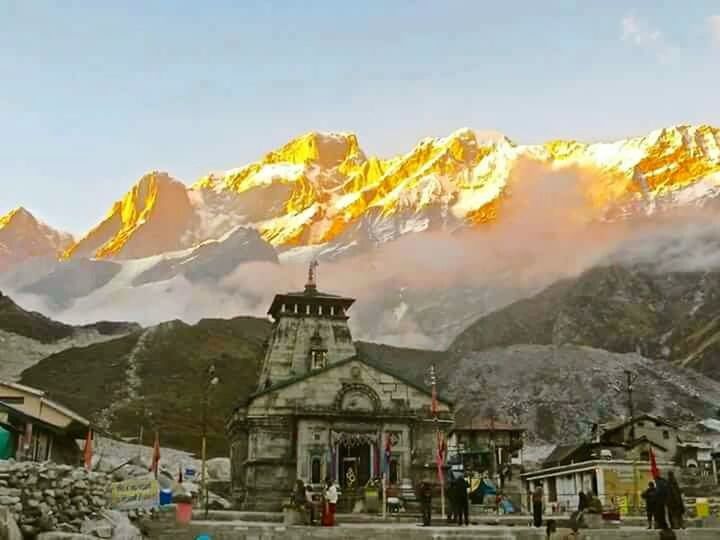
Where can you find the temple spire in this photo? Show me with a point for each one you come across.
(311, 285)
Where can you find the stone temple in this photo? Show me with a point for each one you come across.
(323, 410)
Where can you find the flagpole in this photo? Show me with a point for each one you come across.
(385, 494)
(441, 476)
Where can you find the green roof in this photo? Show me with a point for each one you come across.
(348, 360)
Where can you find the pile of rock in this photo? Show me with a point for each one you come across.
(49, 497)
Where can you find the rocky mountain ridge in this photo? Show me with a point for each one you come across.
(27, 337)
(23, 237)
(321, 189)
(668, 316)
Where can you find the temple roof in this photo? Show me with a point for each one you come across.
(348, 360)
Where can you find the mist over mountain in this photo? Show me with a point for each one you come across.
(428, 241)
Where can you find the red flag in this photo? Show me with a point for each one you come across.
(388, 454)
(88, 450)
(653, 466)
(440, 454)
(156, 455)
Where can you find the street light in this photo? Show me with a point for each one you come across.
(212, 380)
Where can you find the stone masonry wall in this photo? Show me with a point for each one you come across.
(46, 497)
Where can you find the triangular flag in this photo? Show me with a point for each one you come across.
(155, 456)
(653, 465)
(88, 450)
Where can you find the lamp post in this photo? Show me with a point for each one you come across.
(630, 379)
(211, 381)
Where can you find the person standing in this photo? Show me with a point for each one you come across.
(650, 498)
(662, 493)
(451, 509)
(675, 503)
(330, 496)
(462, 501)
(537, 506)
(310, 504)
(426, 502)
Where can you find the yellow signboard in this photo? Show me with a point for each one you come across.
(624, 483)
(134, 494)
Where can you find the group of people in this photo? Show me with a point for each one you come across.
(305, 502)
(459, 500)
(664, 501)
(458, 509)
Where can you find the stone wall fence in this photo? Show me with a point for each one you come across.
(49, 497)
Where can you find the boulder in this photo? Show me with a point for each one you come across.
(8, 528)
(218, 469)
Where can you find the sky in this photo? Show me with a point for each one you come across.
(94, 94)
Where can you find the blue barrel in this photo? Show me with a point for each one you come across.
(165, 497)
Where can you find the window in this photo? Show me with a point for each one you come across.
(307, 309)
(282, 308)
(318, 359)
(296, 308)
(641, 424)
(13, 400)
(332, 310)
(666, 434)
(315, 470)
(319, 310)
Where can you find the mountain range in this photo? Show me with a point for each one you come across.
(430, 240)
(518, 270)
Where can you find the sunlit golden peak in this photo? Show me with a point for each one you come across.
(20, 211)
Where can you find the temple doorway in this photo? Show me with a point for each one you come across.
(354, 464)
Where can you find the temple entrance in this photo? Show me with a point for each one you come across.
(354, 464)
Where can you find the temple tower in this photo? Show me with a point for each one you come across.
(310, 332)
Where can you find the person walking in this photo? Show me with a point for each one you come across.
(675, 503)
(537, 506)
(462, 501)
(650, 498)
(426, 502)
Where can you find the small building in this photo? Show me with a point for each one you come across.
(35, 428)
(658, 431)
(617, 483)
(616, 464)
(486, 445)
(323, 410)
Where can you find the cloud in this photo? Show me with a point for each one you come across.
(714, 24)
(641, 34)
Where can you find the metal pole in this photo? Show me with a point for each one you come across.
(441, 474)
(204, 450)
(385, 482)
(631, 406)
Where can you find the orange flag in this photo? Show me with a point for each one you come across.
(88, 450)
(156, 456)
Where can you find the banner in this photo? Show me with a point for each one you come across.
(133, 494)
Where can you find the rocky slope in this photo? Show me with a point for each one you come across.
(23, 237)
(664, 315)
(558, 392)
(27, 337)
(155, 376)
